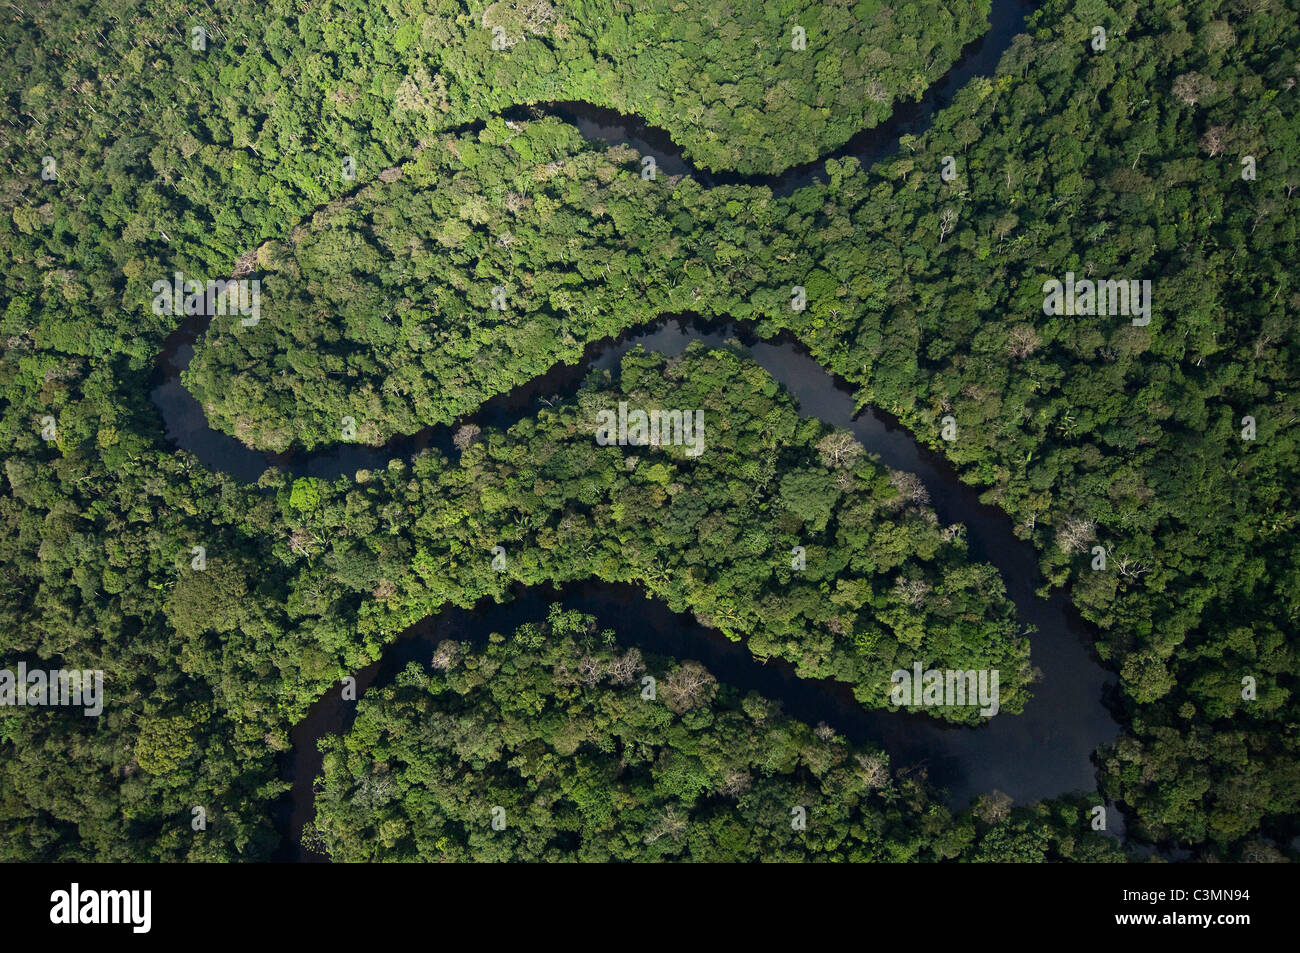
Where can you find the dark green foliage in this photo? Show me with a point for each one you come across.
(548, 731)
(924, 294)
(711, 534)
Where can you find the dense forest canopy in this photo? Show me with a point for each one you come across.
(1168, 152)
(547, 744)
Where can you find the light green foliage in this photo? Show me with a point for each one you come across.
(1086, 431)
(547, 731)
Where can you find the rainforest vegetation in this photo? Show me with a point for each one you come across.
(1168, 152)
(545, 745)
(880, 584)
(305, 581)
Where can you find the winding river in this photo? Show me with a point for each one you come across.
(1043, 752)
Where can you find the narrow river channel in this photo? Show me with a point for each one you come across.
(1043, 752)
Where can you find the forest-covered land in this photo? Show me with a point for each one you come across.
(549, 732)
(924, 292)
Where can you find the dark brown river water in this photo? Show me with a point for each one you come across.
(1045, 751)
